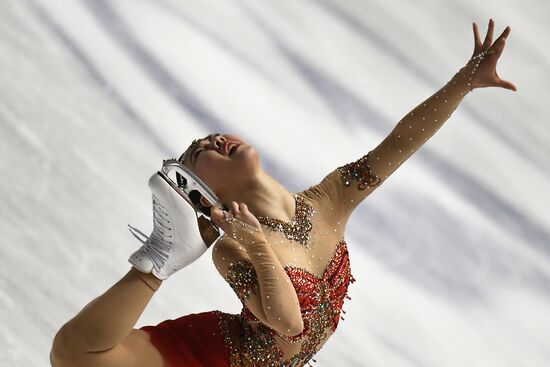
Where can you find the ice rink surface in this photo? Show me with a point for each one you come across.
(451, 254)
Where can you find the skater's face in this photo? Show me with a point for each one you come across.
(221, 160)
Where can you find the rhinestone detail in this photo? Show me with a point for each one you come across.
(299, 228)
(251, 343)
(359, 171)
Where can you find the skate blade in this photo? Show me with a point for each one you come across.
(192, 182)
(209, 232)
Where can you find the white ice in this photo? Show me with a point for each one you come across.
(451, 255)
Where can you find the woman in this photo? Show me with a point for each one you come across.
(283, 253)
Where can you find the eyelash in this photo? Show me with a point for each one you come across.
(199, 150)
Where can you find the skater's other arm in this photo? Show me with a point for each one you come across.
(351, 183)
(348, 185)
(360, 178)
(256, 275)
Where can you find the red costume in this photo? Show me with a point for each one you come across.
(217, 339)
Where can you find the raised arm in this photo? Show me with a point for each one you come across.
(249, 265)
(352, 182)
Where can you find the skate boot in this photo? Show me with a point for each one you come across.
(179, 236)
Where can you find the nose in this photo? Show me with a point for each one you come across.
(218, 143)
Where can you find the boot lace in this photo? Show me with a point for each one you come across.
(157, 246)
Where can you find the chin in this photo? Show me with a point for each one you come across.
(247, 161)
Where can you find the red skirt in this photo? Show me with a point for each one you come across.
(193, 340)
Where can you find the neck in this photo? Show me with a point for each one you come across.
(265, 197)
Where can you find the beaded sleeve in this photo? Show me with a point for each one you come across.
(358, 179)
(241, 277)
(250, 266)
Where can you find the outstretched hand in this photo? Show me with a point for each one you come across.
(486, 74)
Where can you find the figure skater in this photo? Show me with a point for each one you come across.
(282, 253)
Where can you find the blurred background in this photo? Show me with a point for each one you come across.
(451, 254)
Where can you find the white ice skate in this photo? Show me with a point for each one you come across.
(180, 234)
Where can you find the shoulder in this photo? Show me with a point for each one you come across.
(326, 196)
(226, 251)
(234, 265)
(328, 189)
(223, 245)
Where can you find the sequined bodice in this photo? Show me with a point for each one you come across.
(321, 298)
(312, 242)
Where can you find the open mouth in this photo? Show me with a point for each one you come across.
(233, 148)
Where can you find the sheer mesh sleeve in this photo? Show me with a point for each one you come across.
(350, 183)
(253, 271)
